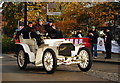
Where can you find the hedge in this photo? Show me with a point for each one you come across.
(8, 45)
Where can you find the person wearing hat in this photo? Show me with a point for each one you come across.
(93, 35)
(107, 39)
(39, 26)
(51, 29)
(28, 31)
(40, 30)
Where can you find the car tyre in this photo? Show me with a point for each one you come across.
(49, 61)
(22, 59)
(85, 58)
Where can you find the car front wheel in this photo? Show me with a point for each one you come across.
(49, 61)
(85, 59)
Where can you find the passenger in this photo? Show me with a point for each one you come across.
(51, 30)
(28, 31)
(59, 33)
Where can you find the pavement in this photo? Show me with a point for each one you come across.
(115, 58)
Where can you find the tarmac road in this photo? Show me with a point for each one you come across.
(98, 72)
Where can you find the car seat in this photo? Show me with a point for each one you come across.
(32, 43)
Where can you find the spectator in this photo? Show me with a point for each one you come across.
(93, 35)
(107, 39)
(78, 34)
(72, 34)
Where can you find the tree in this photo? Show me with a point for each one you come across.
(88, 14)
(74, 14)
(14, 11)
(11, 14)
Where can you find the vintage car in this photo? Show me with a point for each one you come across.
(52, 53)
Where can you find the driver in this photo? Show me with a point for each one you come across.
(39, 27)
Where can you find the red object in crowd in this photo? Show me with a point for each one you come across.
(84, 41)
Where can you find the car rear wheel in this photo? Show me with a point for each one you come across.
(85, 59)
(49, 61)
(22, 59)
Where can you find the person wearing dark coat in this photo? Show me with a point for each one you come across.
(59, 34)
(51, 30)
(93, 35)
(40, 27)
(40, 30)
(107, 39)
(28, 31)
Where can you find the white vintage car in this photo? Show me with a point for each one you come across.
(52, 53)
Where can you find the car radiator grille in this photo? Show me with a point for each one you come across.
(66, 48)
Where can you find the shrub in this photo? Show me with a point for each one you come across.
(8, 45)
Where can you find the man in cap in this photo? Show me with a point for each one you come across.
(51, 29)
(107, 39)
(39, 26)
(40, 30)
(28, 31)
(93, 35)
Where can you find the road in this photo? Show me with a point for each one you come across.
(99, 72)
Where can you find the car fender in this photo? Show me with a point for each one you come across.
(38, 60)
(27, 50)
(39, 55)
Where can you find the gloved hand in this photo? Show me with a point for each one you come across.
(37, 32)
